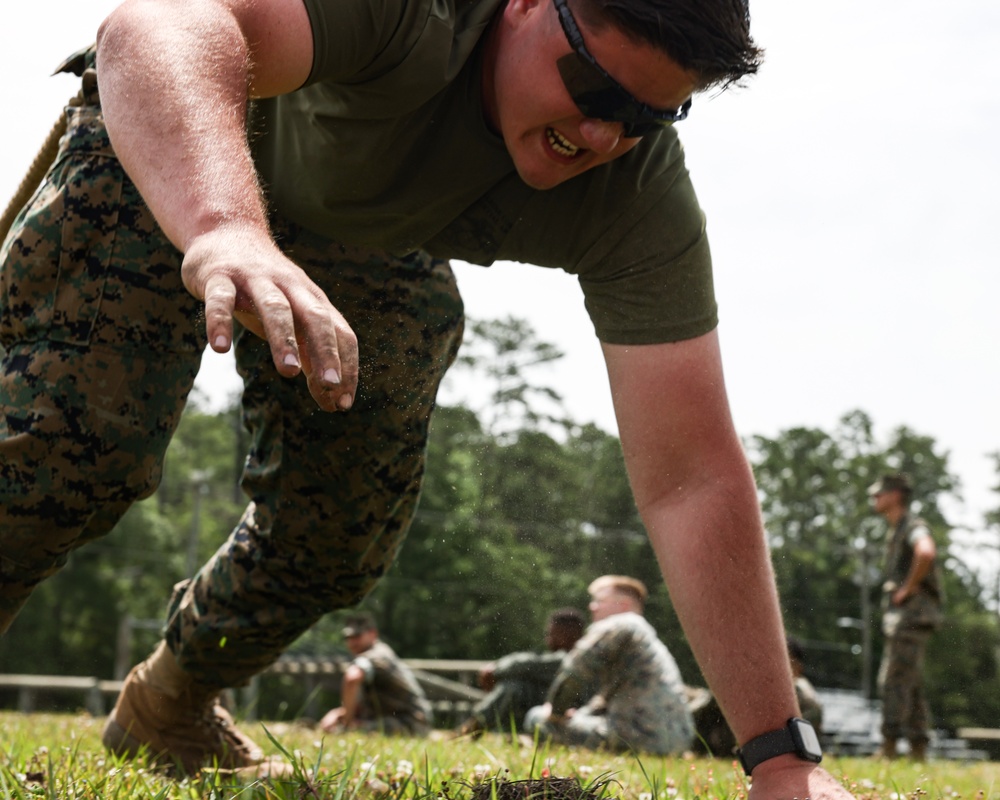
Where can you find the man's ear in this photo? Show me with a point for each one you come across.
(518, 10)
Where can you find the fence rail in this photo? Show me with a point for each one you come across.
(448, 683)
(28, 688)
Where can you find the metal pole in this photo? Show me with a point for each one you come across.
(866, 625)
(123, 648)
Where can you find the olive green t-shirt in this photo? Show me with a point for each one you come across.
(386, 146)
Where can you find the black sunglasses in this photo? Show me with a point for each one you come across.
(600, 96)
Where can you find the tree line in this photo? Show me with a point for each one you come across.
(521, 508)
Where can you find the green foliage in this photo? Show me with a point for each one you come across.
(503, 355)
(827, 550)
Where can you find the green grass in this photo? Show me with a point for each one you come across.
(60, 756)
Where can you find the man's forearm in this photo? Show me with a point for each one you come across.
(174, 90)
(919, 569)
(175, 77)
(716, 564)
(697, 498)
(350, 697)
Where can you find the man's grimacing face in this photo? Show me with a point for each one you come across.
(526, 101)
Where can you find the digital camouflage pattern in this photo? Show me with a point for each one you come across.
(522, 681)
(102, 344)
(901, 684)
(332, 495)
(101, 350)
(391, 699)
(640, 702)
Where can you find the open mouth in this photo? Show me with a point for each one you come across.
(560, 144)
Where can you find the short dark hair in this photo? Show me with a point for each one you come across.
(708, 37)
(570, 620)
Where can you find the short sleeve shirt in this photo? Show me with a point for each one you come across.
(387, 146)
(917, 533)
(390, 689)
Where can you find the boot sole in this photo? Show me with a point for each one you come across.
(120, 742)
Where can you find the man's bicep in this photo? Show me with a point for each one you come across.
(923, 544)
(280, 37)
(673, 416)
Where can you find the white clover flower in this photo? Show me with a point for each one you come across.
(645, 796)
(584, 770)
(404, 767)
(480, 771)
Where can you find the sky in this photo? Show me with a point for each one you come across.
(850, 190)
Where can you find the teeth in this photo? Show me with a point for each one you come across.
(560, 143)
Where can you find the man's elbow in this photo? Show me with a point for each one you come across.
(723, 481)
(125, 27)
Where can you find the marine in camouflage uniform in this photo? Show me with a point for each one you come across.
(102, 344)
(519, 681)
(379, 692)
(912, 610)
(391, 700)
(639, 701)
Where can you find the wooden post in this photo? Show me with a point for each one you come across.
(123, 648)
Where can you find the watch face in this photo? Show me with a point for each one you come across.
(807, 740)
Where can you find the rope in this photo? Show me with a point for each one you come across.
(36, 172)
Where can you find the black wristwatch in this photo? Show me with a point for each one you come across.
(798, 737)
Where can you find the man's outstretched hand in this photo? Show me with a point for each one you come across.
(248, 278)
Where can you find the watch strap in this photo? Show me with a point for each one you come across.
(772, 744)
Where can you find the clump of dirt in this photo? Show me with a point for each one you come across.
(548, 788)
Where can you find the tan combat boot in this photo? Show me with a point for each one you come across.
(887, 750)
(162, 713)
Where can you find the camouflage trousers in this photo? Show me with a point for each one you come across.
(507, 704)
(101, 347)
(901, 684)
(593, 728)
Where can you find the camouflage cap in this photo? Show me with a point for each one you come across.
(356, 624)
(888, 483)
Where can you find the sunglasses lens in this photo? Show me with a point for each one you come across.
(591, 92)
(599, 98)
